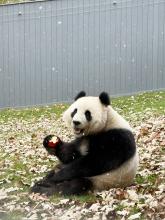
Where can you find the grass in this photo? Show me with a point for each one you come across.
(151, 179)
(31, 113)
(127, 105)
(149, 101)
(10, 1)
(91, 198)
(15, 215)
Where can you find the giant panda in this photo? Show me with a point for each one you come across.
(103, 154)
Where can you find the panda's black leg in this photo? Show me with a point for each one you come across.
(75, 186)
(69, 187)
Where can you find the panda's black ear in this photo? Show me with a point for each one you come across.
(104, 98)
(79, 95)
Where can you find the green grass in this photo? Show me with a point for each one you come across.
(11, 1)
(90, 198)
(81, 199)
(148, 179)
(149, 101)
(15, 215)
(18, 173)
(128, 105)
(32, 113)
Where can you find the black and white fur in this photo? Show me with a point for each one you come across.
(102, 155)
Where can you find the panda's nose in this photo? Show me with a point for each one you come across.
(76, 123)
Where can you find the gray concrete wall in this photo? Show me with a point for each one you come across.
(50, 50)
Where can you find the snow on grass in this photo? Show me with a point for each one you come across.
(24, 161)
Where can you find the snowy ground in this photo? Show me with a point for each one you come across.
(23, 161)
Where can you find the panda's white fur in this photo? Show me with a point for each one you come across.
(103, 118)
(83, 148)
(121, 177)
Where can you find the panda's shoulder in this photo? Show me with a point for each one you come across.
(115, 132)
(116, 138)
(120, 135)
(123, 132)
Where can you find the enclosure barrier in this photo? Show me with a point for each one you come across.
(50, 50)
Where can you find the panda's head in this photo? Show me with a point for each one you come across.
(88, 114)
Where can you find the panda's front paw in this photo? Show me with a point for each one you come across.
(49, 175)
(51, 142)
(44, 182)
(43, 188)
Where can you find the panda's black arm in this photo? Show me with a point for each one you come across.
(77, 168)
(66, 152)
(82, 167)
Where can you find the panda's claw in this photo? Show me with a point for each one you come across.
(43, 187)
(42, 190)
(49, 175)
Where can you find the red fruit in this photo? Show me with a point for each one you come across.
(51, 144)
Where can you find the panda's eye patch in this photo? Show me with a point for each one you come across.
(88, 115)
(74, 112)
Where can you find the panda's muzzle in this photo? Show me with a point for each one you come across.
(77, 129)
(76, 123)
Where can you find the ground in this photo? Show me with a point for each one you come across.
(23, 161)
(10, 1)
